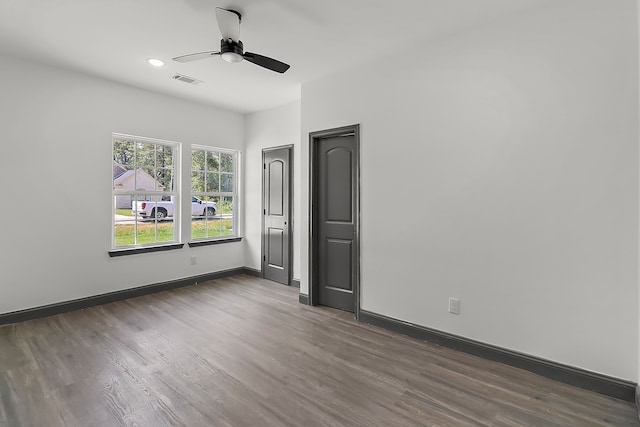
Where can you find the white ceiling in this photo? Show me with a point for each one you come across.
(113, 38)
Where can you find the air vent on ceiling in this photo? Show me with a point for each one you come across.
(186, 79)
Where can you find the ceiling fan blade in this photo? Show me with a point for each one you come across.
(195, 56)
(266, 62)
(229, 23)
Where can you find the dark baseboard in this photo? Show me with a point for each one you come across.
(295, 283)
(303, 299)
(77, 304)
(252, 272)
(602, 384)
(638, 401)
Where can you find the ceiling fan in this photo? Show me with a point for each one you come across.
(231, 49)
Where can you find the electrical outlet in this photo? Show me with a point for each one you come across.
(193, 260)
(454, 306)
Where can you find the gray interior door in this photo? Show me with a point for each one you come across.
(336, 221)
(276, 258)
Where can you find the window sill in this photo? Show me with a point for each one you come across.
(214, 242)
(143, 250)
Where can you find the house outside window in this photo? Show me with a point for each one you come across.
(214, 193)
(145, 194)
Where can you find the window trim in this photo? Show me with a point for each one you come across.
(214, 241)
(237, 161)
(176, 193)
(144, 249)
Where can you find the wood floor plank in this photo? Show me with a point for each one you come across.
(241, 351)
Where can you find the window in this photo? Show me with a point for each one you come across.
(214, 183)
(145, 192)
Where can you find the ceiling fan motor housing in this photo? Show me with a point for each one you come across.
(231, 51)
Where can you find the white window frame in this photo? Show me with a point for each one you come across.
(235, 194)
(175, 193)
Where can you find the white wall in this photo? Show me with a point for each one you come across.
(55, 167)
(638, 356)
(500, 166)
(270, 128)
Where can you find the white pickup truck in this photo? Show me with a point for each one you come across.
(164, 208)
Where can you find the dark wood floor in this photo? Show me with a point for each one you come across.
(242, 351)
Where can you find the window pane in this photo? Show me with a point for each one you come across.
(213, 227)
(123, 152)
(226, 227)
(165, 230)
(226, 221)
(124, 223)
(197, 182)
(123, 204)
(226, 205)
(207, 225)
(197, 208)
(136, 206)
(146, 232)
(226, 162)
(145, 180)
(165, 180)
(212, 161)
(146, 155)
(213, 182)
(123, 177)
(210, 206)
(164, 156)
(226, 183)
(198, 228)
(197, 160)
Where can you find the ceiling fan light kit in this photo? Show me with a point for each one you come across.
(231, 48)
(231, 51)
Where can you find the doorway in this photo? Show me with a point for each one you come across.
(334, 244)
(276, 214)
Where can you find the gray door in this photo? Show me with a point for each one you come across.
(276, 244)
(335, 219)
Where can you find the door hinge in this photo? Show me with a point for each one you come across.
(264, 258)
(264, 212)
(264, 165)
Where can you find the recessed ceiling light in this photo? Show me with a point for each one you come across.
(155, 62)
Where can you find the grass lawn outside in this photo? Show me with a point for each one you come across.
(125, 233)
(217, 227)
(125, 212)
(200, 229)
